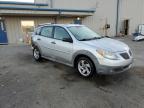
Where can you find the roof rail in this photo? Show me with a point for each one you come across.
(45, 24)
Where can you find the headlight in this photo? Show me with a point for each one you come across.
(107, 54)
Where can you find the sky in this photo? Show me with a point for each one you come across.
(19, 0)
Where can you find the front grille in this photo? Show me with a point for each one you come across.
(125, 55)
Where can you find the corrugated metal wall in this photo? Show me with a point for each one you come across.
(105, 13)
(134, 11)
(105, 10)
(14, 30)
(65, 20)
(13, 26)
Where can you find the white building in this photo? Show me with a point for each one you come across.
(20, 18)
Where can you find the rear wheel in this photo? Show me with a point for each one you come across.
(36, 54)
(85, 67)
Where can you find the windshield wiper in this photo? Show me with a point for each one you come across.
(96, 38)
(91, 38)
(106, 37)
(83, 39)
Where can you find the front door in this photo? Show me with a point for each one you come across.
(63, 50)
(3, 34)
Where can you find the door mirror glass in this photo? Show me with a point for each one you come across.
(67, 40)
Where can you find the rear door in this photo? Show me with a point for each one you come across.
(45, 40)
(3, 34)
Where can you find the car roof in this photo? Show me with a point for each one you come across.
(62, 25)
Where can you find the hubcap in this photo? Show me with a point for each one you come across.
(84, 68)
(36, 54)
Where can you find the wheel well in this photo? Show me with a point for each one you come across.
(35, 46)
(81, 55)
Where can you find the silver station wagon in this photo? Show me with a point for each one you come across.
(81, 48)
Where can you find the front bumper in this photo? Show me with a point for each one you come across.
(107, 66)
(114, 67)
(108, 70)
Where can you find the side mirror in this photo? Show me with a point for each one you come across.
(67, 40)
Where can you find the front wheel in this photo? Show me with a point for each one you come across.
(85, 67)
(36, 54)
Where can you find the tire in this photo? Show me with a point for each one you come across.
(85, 67)
(37, 54)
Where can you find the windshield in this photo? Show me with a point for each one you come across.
(83, 33)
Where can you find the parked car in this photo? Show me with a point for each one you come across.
(81, 48)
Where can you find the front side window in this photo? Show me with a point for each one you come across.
(61, 33)
(83, 33)
(47, 32)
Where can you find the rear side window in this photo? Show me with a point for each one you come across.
(47, 32)
(61, 33)
(38, 31)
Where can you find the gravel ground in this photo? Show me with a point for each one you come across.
(25, 83)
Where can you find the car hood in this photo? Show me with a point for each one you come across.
(108, 44)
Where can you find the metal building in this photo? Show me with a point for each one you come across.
(18, 19)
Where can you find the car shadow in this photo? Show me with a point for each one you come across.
(70, 75)
(107, 80)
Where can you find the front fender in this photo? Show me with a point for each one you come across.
(86, 53)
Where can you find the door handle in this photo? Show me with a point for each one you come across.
(38, 39)
(53, 42)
